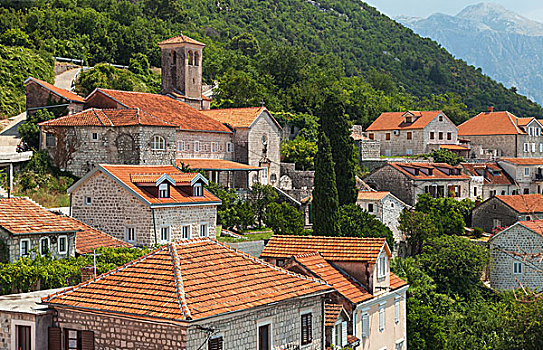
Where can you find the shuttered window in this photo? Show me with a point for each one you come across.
(87, 340)
(365, 325)
(23, 338)
(307, 329)
(344, 333)
(54, 339)
(215, 343)
(381, 317)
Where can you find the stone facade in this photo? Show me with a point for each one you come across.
(125, 211)
(368, 149)
(493, 213)
(528, 177)
(37, 97)
(13, 244)
(212, 145)
(516, 239)
(38, 324)
(497, 146)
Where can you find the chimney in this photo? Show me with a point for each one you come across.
(490, 109)
(87, 273)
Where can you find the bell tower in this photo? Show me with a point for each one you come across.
(182, 69)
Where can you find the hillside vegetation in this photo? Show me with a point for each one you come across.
(284, 52)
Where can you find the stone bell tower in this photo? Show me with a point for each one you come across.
(182, 69)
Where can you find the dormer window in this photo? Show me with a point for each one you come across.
(197, 190)
(408, 119)
(163, 190)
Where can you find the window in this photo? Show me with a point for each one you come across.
(526, 149)
(23, 337)
(264, 337)
(541, 147)
(381, 317)
(130, 234)
(365, 325)
(159, 144)
(265, 176)
(50, 140)
(517, 268)
(533, 147)
(399, 344)
(44, 245)
(215, 343)
(526, 171)
(381, 267)
(280, 262)
(408, 119)
(196, 58)
(203, 230)
(197, 190)
(185, 231)
(370, 208)
(432, 135)
(449, 136)
(196, 146)
(337, 335)
(62, 245)
(440, 118)
(163, 190)
(165, 234)
(214, 146)
(387, 136)
(397, 309)
(409, 135)
(229, 147)
(440, 135)
(94, 136)
(409, 151)
(77, 340)
(88, 200)
(307, 328)
(475, 191)
(180, 146)
(371, 136)
(24, 247)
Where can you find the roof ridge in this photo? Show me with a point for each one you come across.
(334, 237)
(178, 279)
(515, 124)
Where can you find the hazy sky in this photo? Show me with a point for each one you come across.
(532, 9)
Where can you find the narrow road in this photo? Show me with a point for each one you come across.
(65, 80)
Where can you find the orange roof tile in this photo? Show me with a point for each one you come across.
(123, 174)
(524, 161)
(438, 171)
(454, 147)
(524, 203)
(491, 123)
(180, 39)
(331, 248)
(179, 178)
(235, 117)
(215, 164)
(68, 95)
(189, 280)
(162, 107)
(534, 225)
(331, 314)
(108, 117)
(344, 285)
(396, 121)
(23, 216)
(492, 173)
(396, 282)
(372, 195)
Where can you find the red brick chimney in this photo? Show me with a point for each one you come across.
(87, 273)
(490, 109)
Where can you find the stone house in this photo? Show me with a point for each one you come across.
(407, 181)
(387, 208)
(516, 256)
(527, 173)
(367, 149)
(503, 211)
(145, 205)
(188, 295)
(358, 270)
(41, 94)
(412, 132)
(502, 134)
(487, 180)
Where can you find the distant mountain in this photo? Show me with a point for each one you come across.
(507, 46)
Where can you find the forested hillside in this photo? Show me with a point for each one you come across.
(284, 52)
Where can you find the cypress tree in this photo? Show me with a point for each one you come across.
(325, 197)
(336, 126)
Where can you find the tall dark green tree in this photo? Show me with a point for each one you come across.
(336, 126)
(325, 195)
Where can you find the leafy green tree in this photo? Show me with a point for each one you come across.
(325, 196)
(445, 156)
(246, 43)
(29, 130)
(418, 227)
(301, 152)
(448, 214)
(356, 222)
(284, 219)
(260, 197)
(139, 64)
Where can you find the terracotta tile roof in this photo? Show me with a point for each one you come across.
(372, 195)
(180, 39)
(90, 238)
(344, 285)
(331, 314)
(162, 107)
(524, 161)
(396, 282)
(396, 121)
(188, 280)
(23, 216)
(492, 173)
(214, 164)
(108, 117)
(534, 225)
(123, 174)
(524, 203)
(524, 121)
(331, 248)
(68, 95)
(491, 123)
(454, 147)
(419, 171)
(179, 178)
(235, 117)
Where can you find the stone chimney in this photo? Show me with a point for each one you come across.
(87, 273)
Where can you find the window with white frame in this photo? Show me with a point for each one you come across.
(215, 343)
(24, 247)
(365, 324)
(197, 190)
(517, 268)
(339, 334)
(381, 317)
(229, 147)
(203, 230)
(180, 146)
(397, 309)
(185, 231)
(196, 146)
(382, 266)
(265, 176)
(164, 234)
(533, 147)
(540, 147)
(130, 234)
(62, 245)
(526, 171)
(526, 147)
(214, 147)
(94, 136)
(44, 245)
(306, 328)
(88, 200)
(163, 190)
(159, 144)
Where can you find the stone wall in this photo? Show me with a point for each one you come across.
(485, 214)
(40, 323)
(186, 145)
(13, 244)
(239, 330)
(445, 126)
(399, 145)
(297, 179)
(520, 240)
(493, 146)
(264, 127)
(389, 179)
(112, 332)
(368, 149)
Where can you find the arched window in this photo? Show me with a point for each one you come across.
(191, 58)
(196, 58)
(174, 58)
(159, 144)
